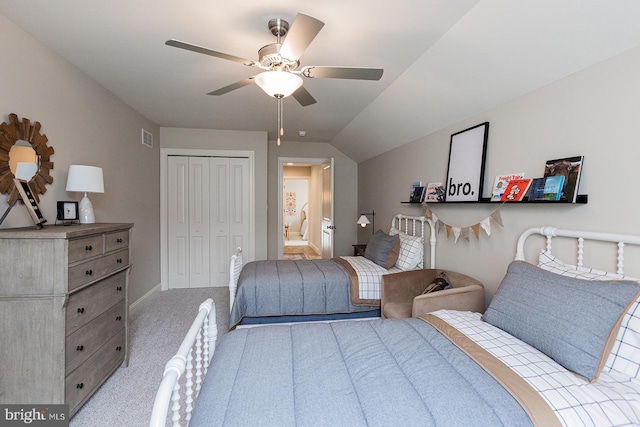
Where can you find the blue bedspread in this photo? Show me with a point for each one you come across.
(394, 372)
(293, 288)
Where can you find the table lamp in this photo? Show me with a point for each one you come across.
(86, 179)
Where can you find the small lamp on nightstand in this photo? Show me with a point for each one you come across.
(364, 221)
(85, 179)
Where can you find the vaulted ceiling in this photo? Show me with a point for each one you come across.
(443, 61)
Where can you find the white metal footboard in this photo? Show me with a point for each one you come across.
(234, 273)
(198, 345)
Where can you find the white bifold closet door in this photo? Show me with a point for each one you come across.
(207, 218)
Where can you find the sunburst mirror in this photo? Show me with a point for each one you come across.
(24, 148)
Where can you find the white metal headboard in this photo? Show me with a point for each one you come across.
(581, 236)
(414, 226)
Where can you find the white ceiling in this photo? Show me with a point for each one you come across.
(443, 60)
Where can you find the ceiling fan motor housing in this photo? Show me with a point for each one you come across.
(270, 58)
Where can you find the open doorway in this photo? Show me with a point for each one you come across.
(296, 209)
(302, 215)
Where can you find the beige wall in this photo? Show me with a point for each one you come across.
(346, 187)
(226, 140)
(592, 113)
(85, 124)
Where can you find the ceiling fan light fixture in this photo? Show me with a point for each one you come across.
(278, 84)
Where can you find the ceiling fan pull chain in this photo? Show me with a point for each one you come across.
(279, 118)
(281, 129)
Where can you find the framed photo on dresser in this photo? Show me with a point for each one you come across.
(29, 200)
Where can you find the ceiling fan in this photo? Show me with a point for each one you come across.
(280, 61)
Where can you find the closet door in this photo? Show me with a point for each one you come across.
(188, 225)
(199, 222)
(208, 204)
(229, 213)
(178, 221)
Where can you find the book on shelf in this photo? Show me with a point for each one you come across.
(434, 192)
(536, 189)
(516, 190)
(500, 184)
(414, 185)
(553, 187)
(418, 195)
(570, 168)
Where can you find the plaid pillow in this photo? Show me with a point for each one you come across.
(411, 253)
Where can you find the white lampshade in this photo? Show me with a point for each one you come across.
(363, 221)
(278, 83)
(86, 179)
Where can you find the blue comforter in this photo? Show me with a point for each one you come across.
(395, 372)
(295, 289)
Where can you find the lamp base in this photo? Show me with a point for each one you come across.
(86, 211)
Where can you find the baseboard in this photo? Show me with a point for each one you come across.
(139, 304)
(315, 248)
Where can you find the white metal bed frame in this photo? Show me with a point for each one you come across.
(205, 324)
(198, 345)
(581, 237)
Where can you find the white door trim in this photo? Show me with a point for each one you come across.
(281, 165)
(164, 155)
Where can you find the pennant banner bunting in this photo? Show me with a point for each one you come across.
(465, 232)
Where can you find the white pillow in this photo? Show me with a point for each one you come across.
(624, 354)
(411, 250)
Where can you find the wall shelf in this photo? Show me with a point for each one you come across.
(582, 199)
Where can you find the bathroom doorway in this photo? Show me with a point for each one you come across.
(302, 208)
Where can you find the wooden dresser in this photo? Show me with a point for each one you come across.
(63, 311)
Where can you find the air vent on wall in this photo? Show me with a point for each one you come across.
(147, 138)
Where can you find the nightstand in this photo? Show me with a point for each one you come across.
(358, 250)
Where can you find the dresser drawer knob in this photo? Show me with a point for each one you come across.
(81, 310)
(80, 385)
(118, 240)
(89, 272)
(80, 348)
(88, 248)
(119, 261)
(118, 288)
(118, 348)
(118, 318)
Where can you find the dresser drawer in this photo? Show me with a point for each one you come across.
(85, 248)
(115, 241)
(91, 374)
(85, 341)
(97, 268)
(85, 305)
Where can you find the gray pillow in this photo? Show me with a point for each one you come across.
(383, 249)
(571, 320)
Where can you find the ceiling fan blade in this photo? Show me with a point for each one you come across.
(302, 32)
(234, 86)
(342, 73)
(206, 51)
(303, 97)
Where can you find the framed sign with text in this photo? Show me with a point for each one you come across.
(465, 174)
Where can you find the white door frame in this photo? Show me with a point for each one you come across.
(282, 161)
(164, 155)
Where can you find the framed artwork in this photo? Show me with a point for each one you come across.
(465, 174)
(29, 201)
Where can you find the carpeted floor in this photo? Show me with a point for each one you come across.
(156, 332)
